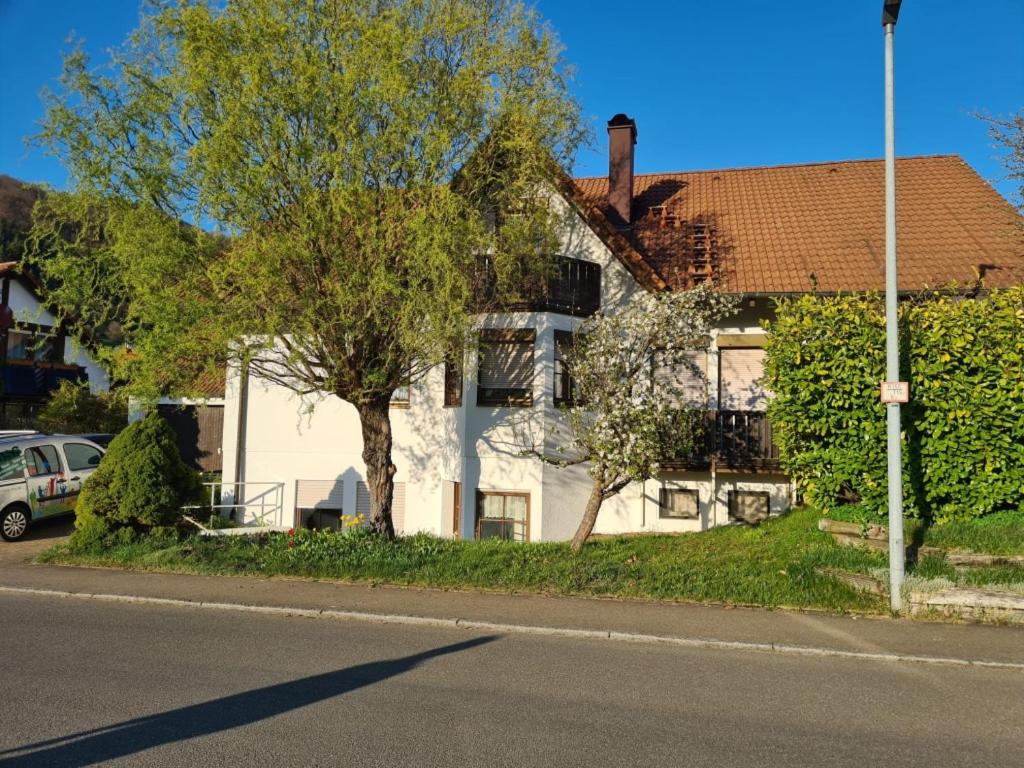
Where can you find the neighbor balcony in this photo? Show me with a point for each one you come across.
(731, 441)
(30, 379)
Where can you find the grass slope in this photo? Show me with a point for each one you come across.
(771, 565)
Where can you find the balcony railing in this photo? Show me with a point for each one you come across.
(572, 287)
(25, 379)
(732, 440)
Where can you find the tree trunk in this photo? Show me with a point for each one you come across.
(375, 420)
(589, 514)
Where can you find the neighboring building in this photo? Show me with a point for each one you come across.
(198, 423)
(760, 233)
(36, 354)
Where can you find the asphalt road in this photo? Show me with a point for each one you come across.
(86, 682)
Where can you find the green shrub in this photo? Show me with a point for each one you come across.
(74, 409)
(141, 484)
(963, 430)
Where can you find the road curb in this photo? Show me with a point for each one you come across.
(522, 629)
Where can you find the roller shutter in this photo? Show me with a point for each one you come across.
(397, 504)
(318, 494)
(740, 374)
(690, 375)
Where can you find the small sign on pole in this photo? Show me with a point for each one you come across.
(895, 391)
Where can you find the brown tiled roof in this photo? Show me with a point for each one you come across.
(210, 384)
(796, 228)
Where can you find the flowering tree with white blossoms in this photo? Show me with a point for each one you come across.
(625, 420)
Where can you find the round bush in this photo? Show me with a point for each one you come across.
(142, 482)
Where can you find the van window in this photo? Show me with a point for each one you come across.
(11, 465)
(42, 460)
(81, 456)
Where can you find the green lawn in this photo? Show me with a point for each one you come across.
(1001, 533)
(772, 565)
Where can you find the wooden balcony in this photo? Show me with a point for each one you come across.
(732, 441)
(573, 287)
(27, 379)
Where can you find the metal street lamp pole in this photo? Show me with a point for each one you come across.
(890, 12)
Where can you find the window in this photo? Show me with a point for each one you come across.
(740, 375)
(452, 384)
(81, 456)
(42, 460)
(397, 504)
(505, 373)
(400, 397)
(688, 375)
(12, 466)
(749, 507)
(318, 503)
(39, 347)
(501, 515)
(565, 386)
(678, 504)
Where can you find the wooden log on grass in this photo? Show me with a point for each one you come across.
(858, 581)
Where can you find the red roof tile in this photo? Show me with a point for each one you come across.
(790, 229)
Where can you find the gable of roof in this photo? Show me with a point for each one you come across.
(817, 227)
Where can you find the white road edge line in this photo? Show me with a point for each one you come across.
(487, 626)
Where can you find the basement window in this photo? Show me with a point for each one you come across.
(750, 507)
(502, 515)
(678, 504)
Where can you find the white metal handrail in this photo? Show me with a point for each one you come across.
(269, 502)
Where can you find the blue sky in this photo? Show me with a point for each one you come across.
(711, 84)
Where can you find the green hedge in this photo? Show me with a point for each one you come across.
(963, 430)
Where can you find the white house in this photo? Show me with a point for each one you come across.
(36, 354)
(756, 232)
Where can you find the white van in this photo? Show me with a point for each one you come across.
(41, 476)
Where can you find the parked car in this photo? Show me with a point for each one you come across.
(41, 476)
(101, 439)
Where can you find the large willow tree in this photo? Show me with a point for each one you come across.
(304, 188)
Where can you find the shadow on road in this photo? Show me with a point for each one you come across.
(240, 709)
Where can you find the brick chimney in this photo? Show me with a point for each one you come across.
(621, 141)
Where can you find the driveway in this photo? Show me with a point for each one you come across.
(43, 535)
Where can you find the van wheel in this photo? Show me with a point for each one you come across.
(13, 522)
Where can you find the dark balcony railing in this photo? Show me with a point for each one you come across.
(27, 380)
(733, 440)
(571, 287)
